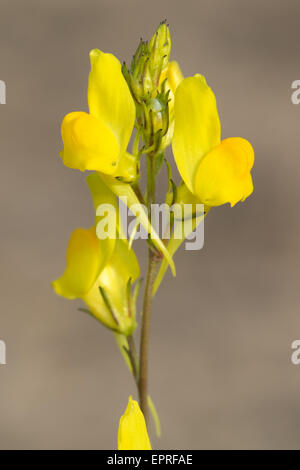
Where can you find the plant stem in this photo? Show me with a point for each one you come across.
(144, 347)
(153, 260)
(138, 192)
(150, 182)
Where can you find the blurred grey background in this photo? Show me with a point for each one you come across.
(221, 335)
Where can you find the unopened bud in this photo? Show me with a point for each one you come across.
(139, 76)
(149, 60)
(159, 48)
(157, 115)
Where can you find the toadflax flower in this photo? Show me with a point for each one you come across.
(98, 140)
(101, 281)
(216, 172)
(133, 433)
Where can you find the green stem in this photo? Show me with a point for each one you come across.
(152, 263)
(144, 346)
(138, 192)
(150, 182)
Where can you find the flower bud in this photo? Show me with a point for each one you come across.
(132, 434)
(148, 62)
(139, 76)
(159, 49)
(157, 115)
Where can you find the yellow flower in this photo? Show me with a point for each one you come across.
(132, 433)
(215, 172)
(98, 140)
(100, 278)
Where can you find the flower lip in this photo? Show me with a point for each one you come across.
(223, 175)
(89, 144)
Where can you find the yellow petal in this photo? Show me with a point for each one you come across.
(109, 97)
(104, 198)
(89, 144)
(125, 261)
(132, 433)
(175, 75)
(223, 175)
(127, 168)
(83, 264)
(197, 125)
(114, 277)
(97, 307)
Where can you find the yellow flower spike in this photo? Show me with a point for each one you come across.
(98, 141)
(215, 172)
(83, 264)
(133, 433)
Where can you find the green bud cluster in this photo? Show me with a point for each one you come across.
(144, 80)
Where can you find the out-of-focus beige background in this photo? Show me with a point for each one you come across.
(221, 374)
